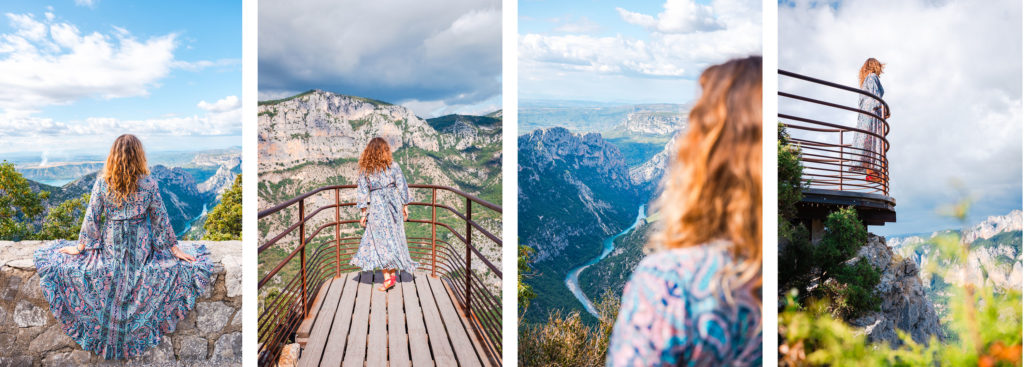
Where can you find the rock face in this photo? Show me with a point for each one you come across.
(320, 126)
(905, 305)
(30, 336)
(576, 184)
(651, 172)
(220, 182)
(654, 123)
(994, 225)
(994, 258)
(182, 197)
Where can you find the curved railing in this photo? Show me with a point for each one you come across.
(831, 161)
(318, 257)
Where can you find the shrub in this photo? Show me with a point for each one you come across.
(566, 340)
(225, 220)
(65, 220)
(858, 294)
(844, 235)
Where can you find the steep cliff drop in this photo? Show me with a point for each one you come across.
(905, 304)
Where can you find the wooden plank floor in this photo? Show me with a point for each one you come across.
(413, 324)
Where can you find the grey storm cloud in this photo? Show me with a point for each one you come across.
(395, 51)
(952, 79)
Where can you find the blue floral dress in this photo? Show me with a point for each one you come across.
(674, 313)
(864, 122)
(125, 289)
(383, 245)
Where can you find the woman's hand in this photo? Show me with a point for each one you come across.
(362, 221)
(70, 250)
(182, 255)
(405, 212)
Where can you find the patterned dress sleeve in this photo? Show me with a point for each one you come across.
(403, 187)
(650, 327)
(874, 86)
(91, 234)
(163, 233)
(362, 192)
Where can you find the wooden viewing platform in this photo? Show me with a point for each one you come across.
(416, 323)
(442, 314)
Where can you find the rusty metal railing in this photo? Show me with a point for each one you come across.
(286, 303)
(831, 161)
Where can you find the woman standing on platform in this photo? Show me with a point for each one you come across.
(383, 198)
(872, 147)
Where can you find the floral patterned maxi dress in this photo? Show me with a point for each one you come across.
(675, 313)
(870, 143)
(383, 245)
(125, 289)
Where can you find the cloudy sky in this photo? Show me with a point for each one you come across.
(75, 74)
(952, 80)
(634, 52)
(435, 57)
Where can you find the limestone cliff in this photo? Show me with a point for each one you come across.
(905, 304)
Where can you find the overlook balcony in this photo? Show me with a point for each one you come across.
(443, 314)
(824, 131)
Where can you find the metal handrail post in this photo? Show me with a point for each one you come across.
(302, 258)
(469, 253)
(433, 233)
(337, 233)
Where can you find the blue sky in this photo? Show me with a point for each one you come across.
(632, 52)
(79, 73)
(435, 57)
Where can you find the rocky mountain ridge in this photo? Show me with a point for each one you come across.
(653, 123)
(994, 256)
(319, 126)
(905, 304)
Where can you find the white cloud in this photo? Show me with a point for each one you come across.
(680, 16)
(87, 3)
(682, 41)
(223, 117)
(953, 86)
(48, 63)
(226, 104)
(392, 51)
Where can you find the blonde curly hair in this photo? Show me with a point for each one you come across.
(712, 190)
(125, 165)
(376, 157)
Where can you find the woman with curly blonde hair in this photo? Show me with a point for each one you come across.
(696, 301)
(871, 146)
(126, 282)
(383, 197)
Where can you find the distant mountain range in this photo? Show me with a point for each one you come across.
(315, 138)
(184, 196)
(994, 257)
(582, 181)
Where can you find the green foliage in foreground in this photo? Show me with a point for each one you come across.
(566, 340)
(797, 255)
(525, 291)
(984, 326)
(19, 205)
(225, 220)
(65, 220)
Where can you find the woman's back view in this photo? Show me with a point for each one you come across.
(125, 282)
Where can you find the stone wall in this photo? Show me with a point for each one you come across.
(30, 336)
